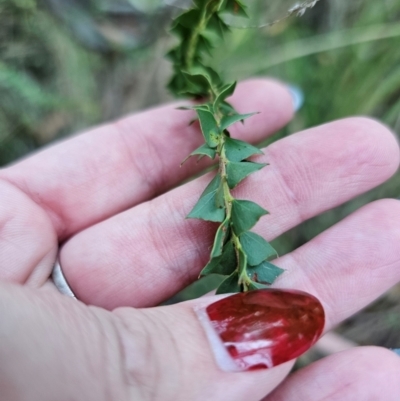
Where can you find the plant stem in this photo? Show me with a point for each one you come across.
(228, 199)
(204, 19)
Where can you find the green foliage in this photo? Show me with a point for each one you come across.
(236, 150)
(224, 264)
(245, 215)
(203, 150)
(230, 284)
(209, 127)
(235, 249)
(238, 171)
(228, 120)
(265, 272)
(206, 208)
(67, 65)
(256, 248)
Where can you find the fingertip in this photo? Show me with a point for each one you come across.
(379, 138)
(356, 374)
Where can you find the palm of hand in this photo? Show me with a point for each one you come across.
(124, 246)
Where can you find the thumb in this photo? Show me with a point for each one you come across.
(179, 356)
(54, 348)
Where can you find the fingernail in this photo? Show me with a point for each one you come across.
(261, 329)
(297, 97)
(396, 351)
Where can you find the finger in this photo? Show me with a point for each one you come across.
(365, 373)
(55, 348)
(28, 242)
(155, 251)
(111, 168)
(152, 354)
(357, 261)
(351, 264)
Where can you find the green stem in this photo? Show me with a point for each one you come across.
(197, 30)
(228, 199)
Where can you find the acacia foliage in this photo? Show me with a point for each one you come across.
(238, 253)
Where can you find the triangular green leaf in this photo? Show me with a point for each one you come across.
(265, 272)
(188, 19)
(211, 35)
(226, 91)
(196, 83)
(219, 239)
(245, 215)
(236, 150)
(206, 207)
(204, 107)
(227, 121)
(239, 171)
(230, 284)
(256, 248)
(227, 108)
(209, 127)
(218, 25)
(203, 150)
(225, 264)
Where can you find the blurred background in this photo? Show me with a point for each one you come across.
(68, 64)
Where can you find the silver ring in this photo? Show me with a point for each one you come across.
(60, 281)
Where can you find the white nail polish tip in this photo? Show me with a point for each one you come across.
(248, 358)
(221, 355)
(297, 96)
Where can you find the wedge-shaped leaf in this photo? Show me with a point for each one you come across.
(203, 150)
(210, 35)
(256, 248)
(188, 19)
(227, 109)
(217, 24)
(204, 107)
(236, 150)
(265, 272)
(219, 239)
(209, 127)
(180, 31)
(206, 207)
(205, 42)
(230, 284)
(226, 91)
(196, 83)
(227, 121)
(237, 171)
(225, 264)
(213, 77)
(245, 215)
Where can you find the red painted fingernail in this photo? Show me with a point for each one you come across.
(262, 329)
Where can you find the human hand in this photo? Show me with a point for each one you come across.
(107, 196)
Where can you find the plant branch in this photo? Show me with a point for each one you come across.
(237, 252)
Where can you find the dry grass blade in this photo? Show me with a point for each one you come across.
(300, 8)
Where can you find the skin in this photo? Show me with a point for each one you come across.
(111, 197)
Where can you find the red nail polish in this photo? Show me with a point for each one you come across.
(264, 328)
